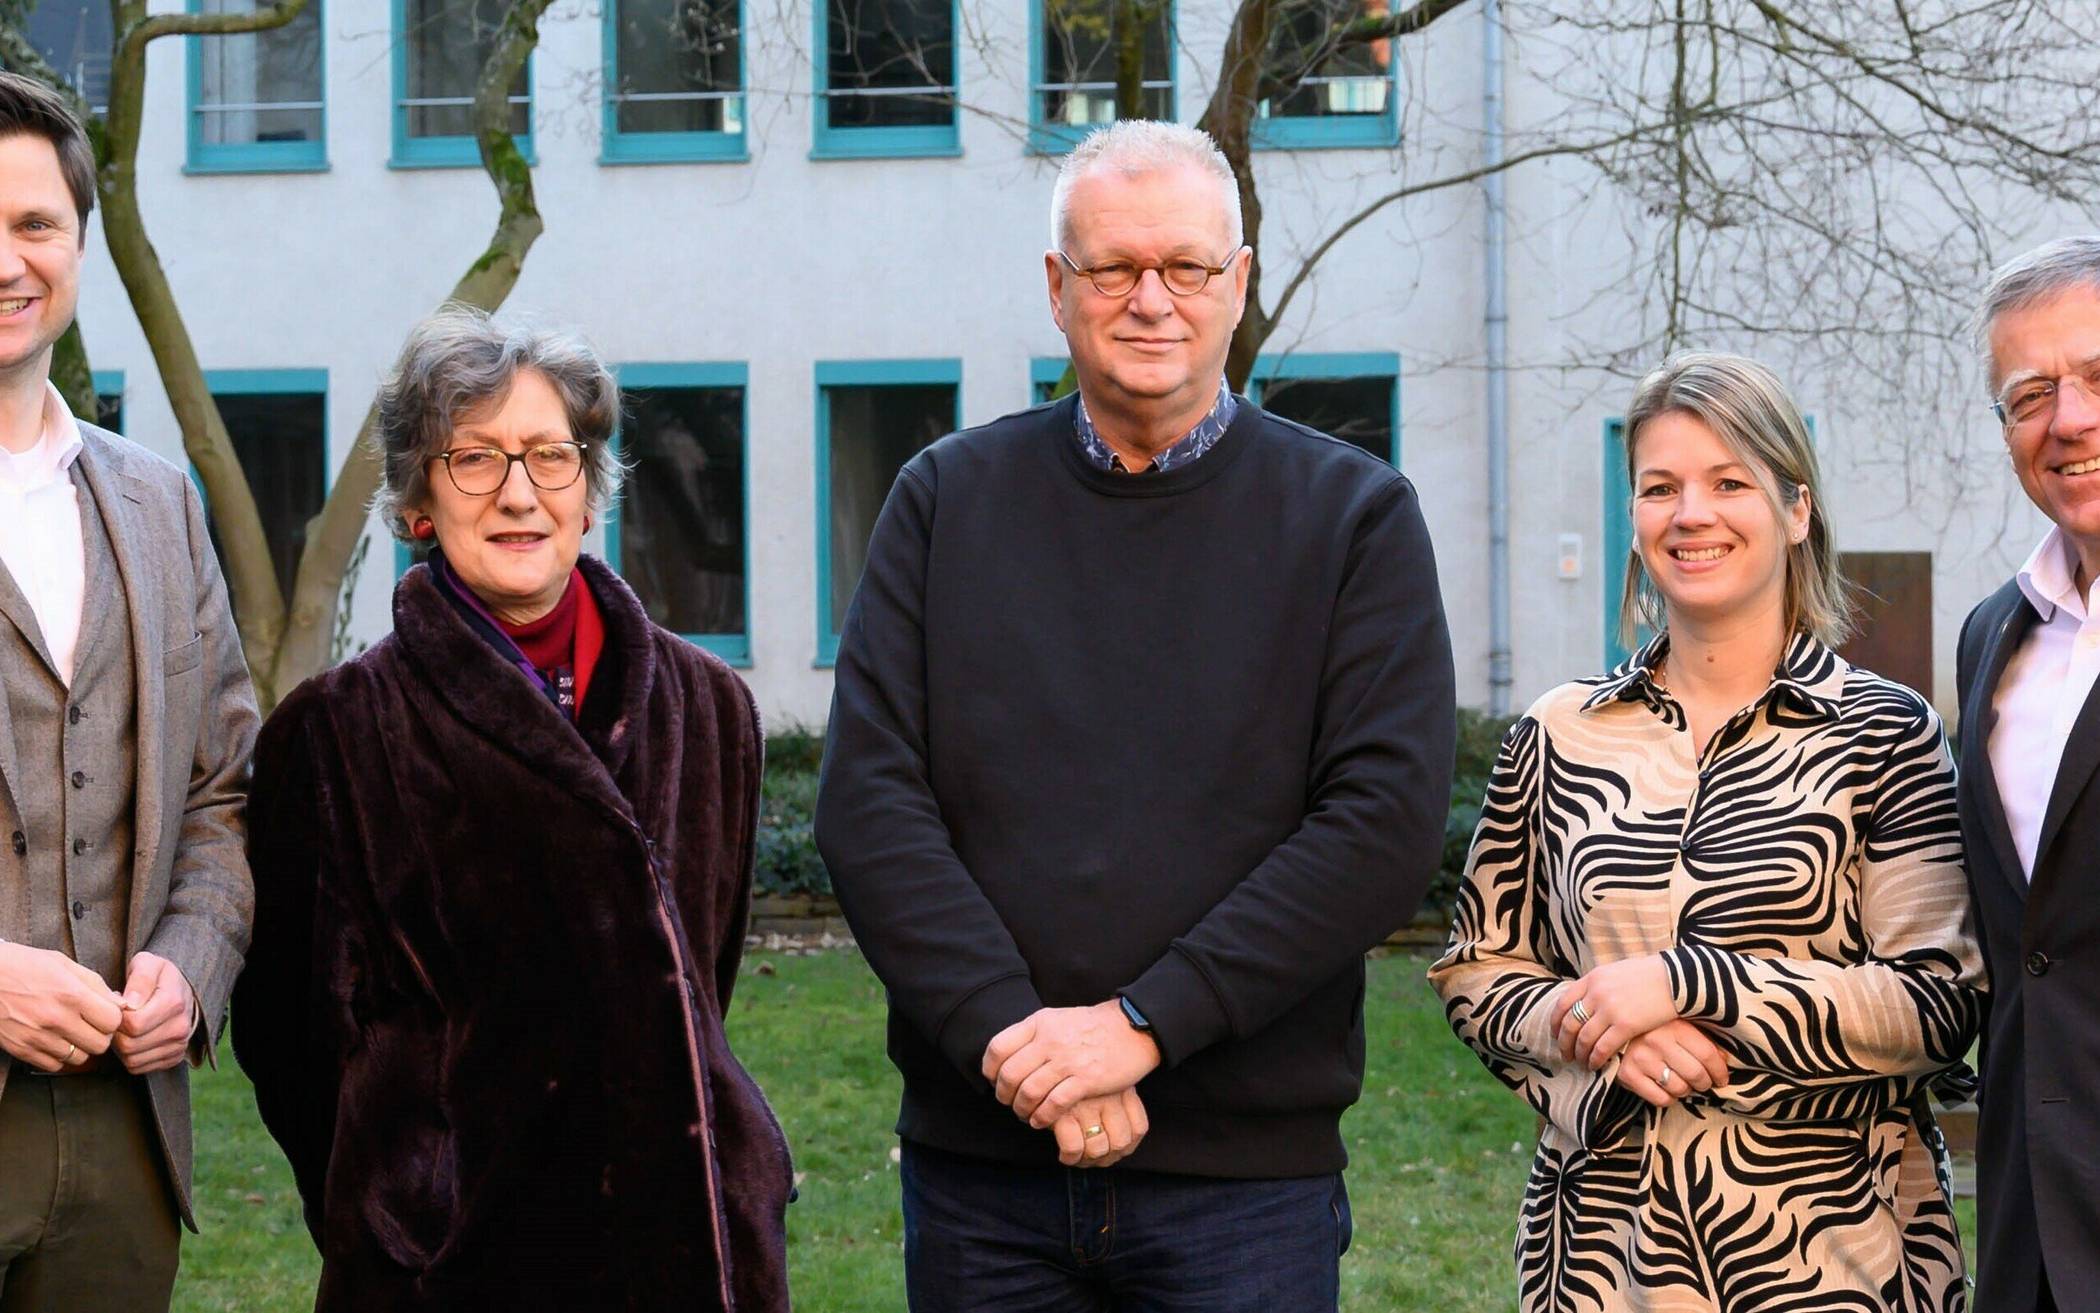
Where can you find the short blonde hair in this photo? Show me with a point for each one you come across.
(1750, 411)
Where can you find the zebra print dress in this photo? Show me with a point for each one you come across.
(1802, 881)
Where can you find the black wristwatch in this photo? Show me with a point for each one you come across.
(1133, 1016)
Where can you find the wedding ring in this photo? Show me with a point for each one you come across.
(1581, 1012)
(1092, 1131)
(67, 1060)
(1667, 1074)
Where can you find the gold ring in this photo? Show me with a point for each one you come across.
(67, 1060)
(1092, 1131)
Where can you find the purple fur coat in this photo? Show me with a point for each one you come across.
(493, 950)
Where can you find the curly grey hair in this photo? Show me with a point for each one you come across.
(460, 360)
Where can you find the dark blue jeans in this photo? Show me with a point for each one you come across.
(985, 1236)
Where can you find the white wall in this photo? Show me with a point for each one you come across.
(783, 261)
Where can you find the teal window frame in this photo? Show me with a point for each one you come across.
(1047, 138)
(1331, 365)
(1616, 538)
(1303, 132)
(263, 382)
(251, 156)
(454, 152)
(919, 141)
(1044, 371)
(859, 373)
(732, 648)
(107, 383)
(617, 147)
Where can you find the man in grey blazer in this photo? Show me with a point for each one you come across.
(126, 722)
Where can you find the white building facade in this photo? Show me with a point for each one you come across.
(804, 263)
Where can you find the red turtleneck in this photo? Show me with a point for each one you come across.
(570, 636)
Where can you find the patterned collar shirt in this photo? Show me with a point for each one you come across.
(1800, 879)
(1185, 450)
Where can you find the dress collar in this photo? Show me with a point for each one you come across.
(1810, 676)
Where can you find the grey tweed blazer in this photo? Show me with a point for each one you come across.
(191, 899)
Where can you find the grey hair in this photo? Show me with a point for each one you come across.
(461, 360)
(1138, 146)
(2042, 274)
(1755, 418)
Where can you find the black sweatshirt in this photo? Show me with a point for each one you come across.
(1187, 736)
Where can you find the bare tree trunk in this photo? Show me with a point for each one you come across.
(334, 534)
(1127, 30)
(259, 605)
(72, 376)
(1229, 119)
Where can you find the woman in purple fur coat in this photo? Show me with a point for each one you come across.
(502, 866)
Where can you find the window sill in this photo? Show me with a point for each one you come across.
(674, 148)
(207, 167)
(886, 143)
(449, 153)
(1324, 134)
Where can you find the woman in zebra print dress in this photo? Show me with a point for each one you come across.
(1714, 927)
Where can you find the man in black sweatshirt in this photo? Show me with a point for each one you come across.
(1143, 733)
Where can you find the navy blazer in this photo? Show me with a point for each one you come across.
(2038, 1136)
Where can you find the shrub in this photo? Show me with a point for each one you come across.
(1479, 738)
(788, 863)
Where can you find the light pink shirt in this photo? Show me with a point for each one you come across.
(40, 541)
(2044, 686)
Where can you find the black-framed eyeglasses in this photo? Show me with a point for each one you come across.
(1183, 276)
(478, 471)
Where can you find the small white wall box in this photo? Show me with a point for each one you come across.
(1571, 556)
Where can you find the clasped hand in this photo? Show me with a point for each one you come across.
(56, 1014)
(1071, 1071)
(1627, 1010)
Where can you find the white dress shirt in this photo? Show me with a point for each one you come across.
(2043, 689)
(40, 541)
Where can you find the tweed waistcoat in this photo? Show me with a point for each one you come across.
(76, 753)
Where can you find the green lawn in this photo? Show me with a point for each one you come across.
(1439, 1152)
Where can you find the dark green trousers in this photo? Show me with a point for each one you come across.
(87, 1216)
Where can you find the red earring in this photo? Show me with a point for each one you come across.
(423, 530)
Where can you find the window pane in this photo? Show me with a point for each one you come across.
(1358, 410)
(281, 441)
(874, 430)
(1079, 60)
(446, 42)
(74, 37)
(247, 73)
(682, 515)
(674, 56)
(890, 63)
(1352, 80)
(109, 411)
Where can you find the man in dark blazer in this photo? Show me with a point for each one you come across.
(2030, 798)
(126, 722)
